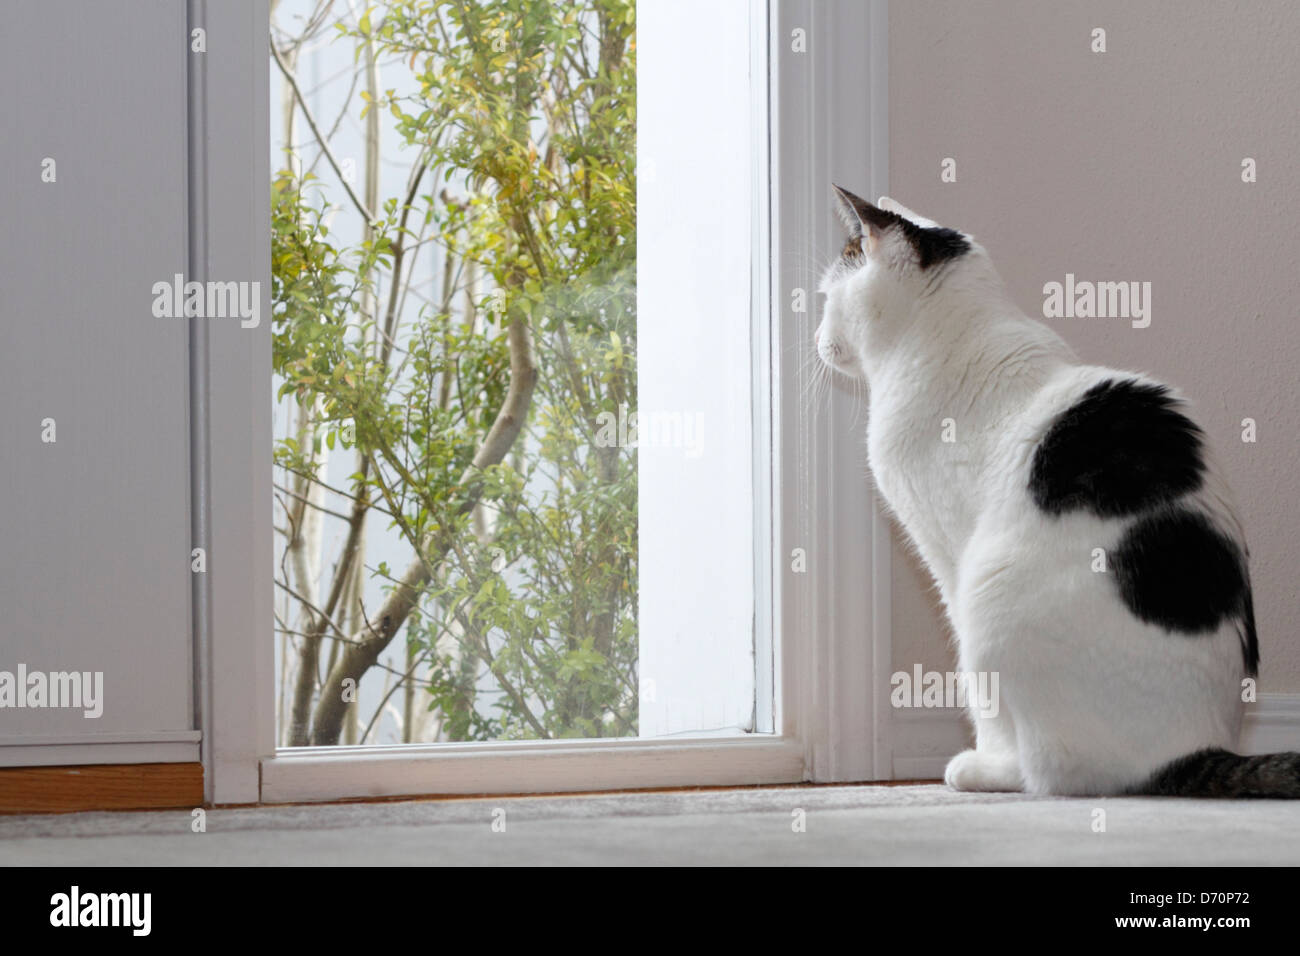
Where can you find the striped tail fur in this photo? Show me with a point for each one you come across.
(1218, 773)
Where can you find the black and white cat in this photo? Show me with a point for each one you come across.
(1122, 680)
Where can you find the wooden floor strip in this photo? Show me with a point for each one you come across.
(134, 786)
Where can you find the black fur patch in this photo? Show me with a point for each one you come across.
(1246, 631)
(1176, 570)
(932, 244)
(1121, 448)
(935, 244)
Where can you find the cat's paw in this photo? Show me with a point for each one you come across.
(972, 770)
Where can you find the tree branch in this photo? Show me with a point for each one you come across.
(324, 143)
(371, 641)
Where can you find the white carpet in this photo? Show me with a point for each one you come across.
(914, 825)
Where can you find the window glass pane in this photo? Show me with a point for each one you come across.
(456, 551)
(483, 423)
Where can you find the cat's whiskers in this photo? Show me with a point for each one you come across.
(859, 403)
(813, 379)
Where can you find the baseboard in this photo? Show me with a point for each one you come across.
(79, 750)
(925, 740)
(1271, 725)
(136, 786)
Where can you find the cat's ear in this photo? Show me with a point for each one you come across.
(846, 206)
(894, 206)
(863, 219)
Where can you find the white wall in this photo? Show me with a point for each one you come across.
(95, 526)
(1127, 166)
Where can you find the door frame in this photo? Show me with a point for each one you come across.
(828, 634)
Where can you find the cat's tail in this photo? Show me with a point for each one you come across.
(1219, 773)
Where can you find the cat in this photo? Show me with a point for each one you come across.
(1121, 671)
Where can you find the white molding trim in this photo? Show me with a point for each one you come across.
(835, 616)
(122, 737)
(300, 775)
(925, 740)
(1271, 725)
(240, 672)
(882, 567)
(51, 750)
(768, 648)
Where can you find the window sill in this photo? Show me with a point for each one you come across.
(304, 775)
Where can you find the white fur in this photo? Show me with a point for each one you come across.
(1092, 700)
